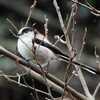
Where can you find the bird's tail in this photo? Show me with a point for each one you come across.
(65, 57)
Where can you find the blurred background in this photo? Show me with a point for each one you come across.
(18, 10)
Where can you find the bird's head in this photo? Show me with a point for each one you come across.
(25, 30)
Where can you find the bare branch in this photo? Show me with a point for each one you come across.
(83, 43)
(46, 26)
(25, 86)
(97, 89)
(19, 78)
(30, 12)
(80, 75)
(12, 24)
(54, 80)
(62, 25)
(91, 8)
(97, 60)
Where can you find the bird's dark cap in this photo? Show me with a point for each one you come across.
(24, 30)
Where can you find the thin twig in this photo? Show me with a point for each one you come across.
(25, 86)
(41, 67)
(83, 43)
(97, 60)
(12, 24)
(80, 75)
(97, 89)
(11, 31)
(30, 12)
(19, 78)
(62, 25)
(14, 76)
(46, 26)
(91, 8)
(58, 82)
(59, 39)
(66, 76)
(84, 85)
(37, 98)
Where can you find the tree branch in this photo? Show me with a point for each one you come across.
(58, 83)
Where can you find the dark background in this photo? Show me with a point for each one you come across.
(17, 11)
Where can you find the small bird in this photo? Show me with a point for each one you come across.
(29, 50)
(33, 45)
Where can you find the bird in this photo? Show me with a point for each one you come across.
(32, 45)
(32, 51)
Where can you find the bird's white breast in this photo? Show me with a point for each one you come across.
(25, 45)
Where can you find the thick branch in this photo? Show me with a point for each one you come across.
(58, 82)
